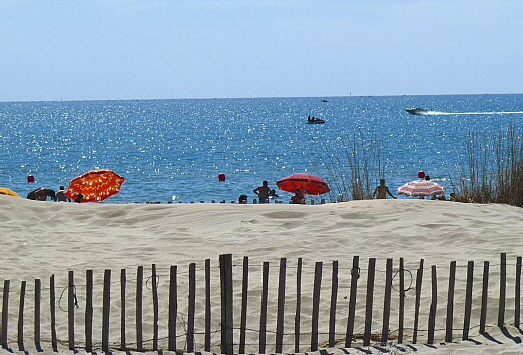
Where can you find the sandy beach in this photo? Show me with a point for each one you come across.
(40, 239)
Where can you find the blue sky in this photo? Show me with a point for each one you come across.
(154, 49)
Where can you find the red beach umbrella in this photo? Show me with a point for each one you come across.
(95, 185)
(308, 184)
(421, 188)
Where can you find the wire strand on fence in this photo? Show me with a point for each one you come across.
(62, 294)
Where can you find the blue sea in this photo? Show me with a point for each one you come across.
(173, 150)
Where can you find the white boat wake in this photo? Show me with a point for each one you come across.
(470, 113)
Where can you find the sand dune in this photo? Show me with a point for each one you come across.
(40, 239)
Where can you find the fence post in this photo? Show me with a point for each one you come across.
(419, 283)
(21, 307)
(484, 299)
(468, 300)
(355, 275)
(5, 313)
(316, 305)
(52, 308)
(88, 327)
(139, 291)
(386, 303)
(297, 317)
(401, 321)
(38, 298)
(281, 306)
(191, 302)
(369, 302)
(226, 304)
(334, 301)
(517, 293)
(70, 309)
(450, 302)
(433, 306)
(245, 289)
(502, 290)
(207, 345)
(262, 342)
(123, 282)
(155, 306)
(173, 308)
(106, 309)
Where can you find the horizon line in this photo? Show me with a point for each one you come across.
(254, 97)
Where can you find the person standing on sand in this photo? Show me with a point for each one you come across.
(382, 191)
(263, 192)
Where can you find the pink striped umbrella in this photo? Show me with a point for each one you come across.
(420, 188)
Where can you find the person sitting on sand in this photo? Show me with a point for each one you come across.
(41, 194)
(298, 198)
(263, 192)
(242, 199)
(382, 191)
(60, 196)
(79, 198)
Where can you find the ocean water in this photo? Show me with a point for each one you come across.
(173, 150)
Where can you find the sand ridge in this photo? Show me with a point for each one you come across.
(82, 236)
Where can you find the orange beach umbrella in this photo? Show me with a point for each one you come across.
(95, 185)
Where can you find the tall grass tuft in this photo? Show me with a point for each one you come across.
(491, 168)
(352, 166)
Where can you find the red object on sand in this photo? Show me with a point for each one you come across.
(95, 185)
(308, 184)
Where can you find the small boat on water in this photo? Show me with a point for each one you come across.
(417, 110)
(324, 100)
(314, 120)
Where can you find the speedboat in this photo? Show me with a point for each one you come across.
(417, 110)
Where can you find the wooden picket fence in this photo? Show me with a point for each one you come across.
(238, 308)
